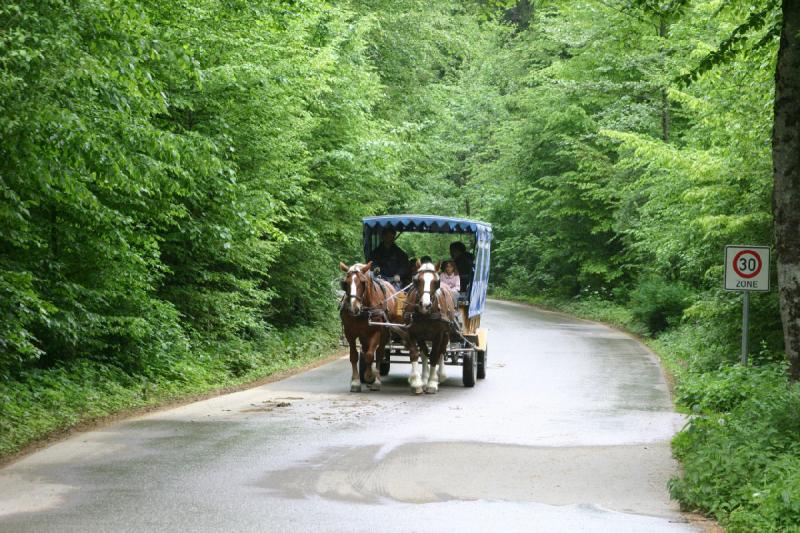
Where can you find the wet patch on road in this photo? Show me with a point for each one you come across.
(628, 479)
(19, 494)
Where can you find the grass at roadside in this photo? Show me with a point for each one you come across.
(589, 308)
(41, 403)
(741, 450)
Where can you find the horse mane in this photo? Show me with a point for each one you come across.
(378, 291)
(443, 301)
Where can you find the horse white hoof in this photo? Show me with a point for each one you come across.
(430, 389)
(375, 385)
(415, 382)
(417, 390)
(355, 387)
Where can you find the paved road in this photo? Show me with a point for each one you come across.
(569, 432)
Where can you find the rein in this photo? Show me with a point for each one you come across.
(399, 291)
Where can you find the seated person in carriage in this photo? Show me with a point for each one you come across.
(450, 278)
(464, 261)
(392, 261)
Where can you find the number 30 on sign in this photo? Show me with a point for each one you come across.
(747, 268)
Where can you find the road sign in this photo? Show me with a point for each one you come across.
(747, 268)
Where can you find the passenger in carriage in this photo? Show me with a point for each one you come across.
(392, 261)
(450, 278)
(464, 261)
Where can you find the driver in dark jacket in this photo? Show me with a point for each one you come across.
(390, 258)
(464, 261)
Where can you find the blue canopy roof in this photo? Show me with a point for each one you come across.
(428, 223)
(433, 224)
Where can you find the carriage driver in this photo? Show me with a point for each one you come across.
(464, 261)
(392, 261)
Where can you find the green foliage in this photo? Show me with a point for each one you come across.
(601, 170)
(21, 307)
(658, 303)
(710, 332)
(723, 390)
(168, 171)
(40, 402)
(767, 14)
(86, 183)
(742, 466)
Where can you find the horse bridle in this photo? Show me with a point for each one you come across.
(365, 311)
(345, 284)
(430, 291)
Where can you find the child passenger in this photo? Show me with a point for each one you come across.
(450, 278)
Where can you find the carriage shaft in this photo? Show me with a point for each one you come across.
(387, 325)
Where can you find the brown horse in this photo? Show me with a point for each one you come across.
(430, 312)
(366, 299)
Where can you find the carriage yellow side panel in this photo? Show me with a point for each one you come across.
(400, 305)
(471, 325)
(483, 335)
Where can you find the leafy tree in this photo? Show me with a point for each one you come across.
(85, 184)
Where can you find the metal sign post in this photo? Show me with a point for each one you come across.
(746, 269)
(745, 325)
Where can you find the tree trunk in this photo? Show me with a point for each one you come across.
(520, 15)
(786, 169)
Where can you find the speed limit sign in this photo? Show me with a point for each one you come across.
(747, 268)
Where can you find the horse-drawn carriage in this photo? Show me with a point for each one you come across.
(398, 322)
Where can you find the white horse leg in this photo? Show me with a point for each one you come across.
(355, 379)
(437, 372)
(414, 379)
(432, 387)
(375, 385)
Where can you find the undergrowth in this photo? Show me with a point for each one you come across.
(39, 403)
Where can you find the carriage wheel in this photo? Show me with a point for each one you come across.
(385, 364)
(482, 354)
(469, 369)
